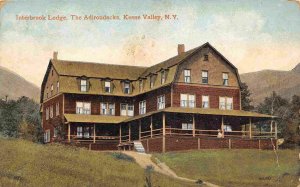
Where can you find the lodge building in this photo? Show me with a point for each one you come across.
(190, 101)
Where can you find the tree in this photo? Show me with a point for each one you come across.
(245, 97)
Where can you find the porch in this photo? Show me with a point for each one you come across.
(179, 129)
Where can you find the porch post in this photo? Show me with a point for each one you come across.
(222, 127)
(271, 127)
(250, 127)
(69, 133)
(120, 133)
(276, 130)
(129, 133)
(140, 129)
(164, 133)
(94, 133)
(194, 126)
(151, 126)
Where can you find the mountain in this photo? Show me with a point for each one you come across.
(263, 83)
(15, 86)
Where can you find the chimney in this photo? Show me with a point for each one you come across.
(55, 53)
(180, 49)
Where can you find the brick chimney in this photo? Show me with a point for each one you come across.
(55, 53)
(180, 49)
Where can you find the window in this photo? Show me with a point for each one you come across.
(205, 101)
(187, 76)
(55, 132)
(229, 103)
(83, 108)
(52, 73)
(51, 111)
(107, 108)
(57, 109)
(187, 100)
(127, 109)
(51, 89)
(47, 113)
(226, 103)
(47, 95)
(161, 102)
(47, 136)
(86, 132)
(205, 77)
(142, 107)
(163, 77)
(83, 85)
(57, 86)
(107, 86)
(227, 128)
(126, 87)
(187, 126)
(225, 79)
(151, 81)
(141, 86)
(79, 132)
(206, 57)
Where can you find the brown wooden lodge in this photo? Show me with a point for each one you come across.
(190, 101)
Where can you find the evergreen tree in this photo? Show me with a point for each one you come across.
(245, 97)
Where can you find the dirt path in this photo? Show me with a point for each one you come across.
(144, 160)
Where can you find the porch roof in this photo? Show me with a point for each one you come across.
(209, 111)
(80, 118)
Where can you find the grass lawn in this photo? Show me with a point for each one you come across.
(23, 163)
(236, 167)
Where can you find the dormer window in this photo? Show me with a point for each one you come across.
(83, 85)
(163, 77)
(205, 57)
(51, 89)
(126, 87)
(107, 86)
(141, 85)
(152, 81)
(57, 86)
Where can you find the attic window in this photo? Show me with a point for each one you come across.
(83, 85)
(141, 85)
(52, 73)
(206, 57)
(107, 86)
(163, 77)
(126, 87)
(151, 81)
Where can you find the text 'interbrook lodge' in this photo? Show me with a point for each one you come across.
(190, 101)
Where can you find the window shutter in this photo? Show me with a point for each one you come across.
(130, 87)
(78, 83)
(88, 85)
(103, 85)
(112, 86)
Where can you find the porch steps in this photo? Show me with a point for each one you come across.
(138, 146)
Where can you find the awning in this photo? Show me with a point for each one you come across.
(81, 118)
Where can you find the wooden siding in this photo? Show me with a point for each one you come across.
(213, 92)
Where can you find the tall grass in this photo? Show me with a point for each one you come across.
(236, 167)
(23, 163)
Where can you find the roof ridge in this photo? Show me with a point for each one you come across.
(85, 62)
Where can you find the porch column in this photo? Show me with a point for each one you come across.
(250, 127)
(194, 126)
(271, 127)
(94, 133)
(140, 130)
(69, 133)
(164, 132)
(276, 130)
(129, 133)
(120, 133)
(222, 127)
(151, 126)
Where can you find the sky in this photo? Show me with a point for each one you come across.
(252, 34)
